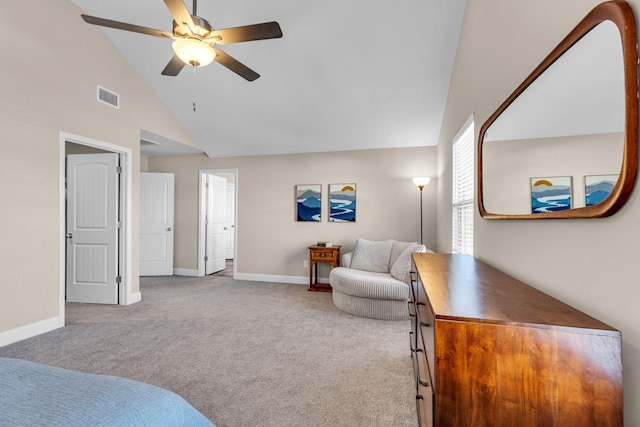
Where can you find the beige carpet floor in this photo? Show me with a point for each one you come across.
(243, 353)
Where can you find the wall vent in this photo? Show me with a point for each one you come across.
(108, 97)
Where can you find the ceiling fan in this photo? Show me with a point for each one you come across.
(193, 39)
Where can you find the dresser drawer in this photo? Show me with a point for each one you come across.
(424, 405)
(425, 329)
(413, 316)
(423, 370)
(424, 389)
(425, 325)
(413, 341)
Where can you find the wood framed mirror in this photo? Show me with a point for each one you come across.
(565, 143)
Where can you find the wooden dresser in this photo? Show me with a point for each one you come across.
(489, 350)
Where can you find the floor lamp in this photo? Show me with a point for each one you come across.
(420, 182)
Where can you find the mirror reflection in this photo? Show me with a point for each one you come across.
(566, 127)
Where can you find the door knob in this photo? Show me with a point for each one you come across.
(69, 236)
(169, 229)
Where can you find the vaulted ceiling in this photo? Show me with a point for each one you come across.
(346, 75)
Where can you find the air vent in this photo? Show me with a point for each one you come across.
(108, 97)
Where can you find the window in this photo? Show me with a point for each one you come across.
(463, 189)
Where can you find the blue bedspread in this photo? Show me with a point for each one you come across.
(32, 394)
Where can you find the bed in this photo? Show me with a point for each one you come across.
(32, 394)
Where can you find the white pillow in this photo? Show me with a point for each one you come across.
(396, 250)
(372, 256)
(400, 269)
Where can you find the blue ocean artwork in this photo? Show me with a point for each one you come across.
(309, 203)
(342, 202)
(598, 188)
(550, 194)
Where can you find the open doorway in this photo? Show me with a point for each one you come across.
(217, 221)
(78, 146)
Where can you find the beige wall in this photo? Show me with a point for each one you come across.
(590, 264)
(269, 241)
(48, 86)
(508, 167)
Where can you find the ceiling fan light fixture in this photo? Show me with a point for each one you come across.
(194, 52)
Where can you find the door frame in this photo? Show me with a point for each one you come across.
(125, 295)
(202, 208)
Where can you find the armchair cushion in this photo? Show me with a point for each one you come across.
(397, 249)
(401, 268)
(373, 256)
(346, 259)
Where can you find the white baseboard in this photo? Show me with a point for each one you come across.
(185, 272)
(28, 331)
(297, 280)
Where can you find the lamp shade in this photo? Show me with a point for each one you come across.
(193, 51)
(421, 181)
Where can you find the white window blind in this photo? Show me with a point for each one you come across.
(463, 189)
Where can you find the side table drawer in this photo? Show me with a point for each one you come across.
(321, 255)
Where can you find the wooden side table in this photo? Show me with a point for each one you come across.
(330, 255)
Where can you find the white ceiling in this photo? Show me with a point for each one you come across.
(345, 75)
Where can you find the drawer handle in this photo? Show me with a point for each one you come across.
(420, 303)
(422, 383)
(419, 397)
(425, 324)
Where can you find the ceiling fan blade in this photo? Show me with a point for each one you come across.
(235, 66)
(174, 66)
(266, 30)
(180, 13)
(126, 27)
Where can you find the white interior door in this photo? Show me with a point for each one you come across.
(215, 222)
(229, 226)
(156, 224)
(92, 233)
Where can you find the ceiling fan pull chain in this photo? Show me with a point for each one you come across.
(195, 92)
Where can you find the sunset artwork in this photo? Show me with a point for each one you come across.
(342, 203)
(309, 203)
(550, 194)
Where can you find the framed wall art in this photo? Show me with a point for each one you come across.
(550, 194)
(342, 203)
(598, 187)
(308, 202)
